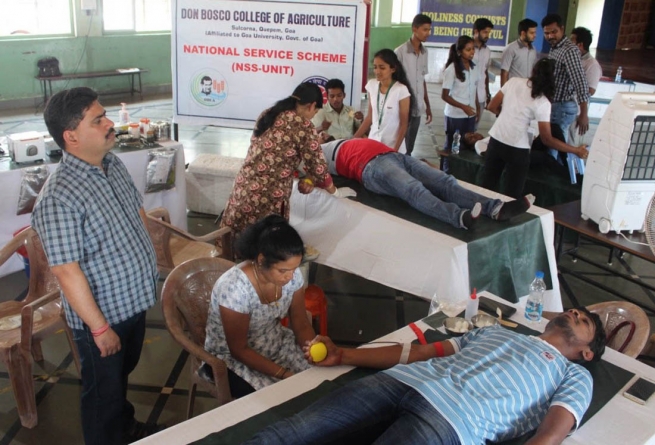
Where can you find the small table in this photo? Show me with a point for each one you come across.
(568, 216)
(46, 82)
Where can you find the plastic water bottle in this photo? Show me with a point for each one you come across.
(472, 305)
(535, 304)
(454, 148)
(619, 75)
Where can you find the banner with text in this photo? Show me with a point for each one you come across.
(454, 18)
(234, 58)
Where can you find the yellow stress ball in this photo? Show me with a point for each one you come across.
(318, 352)
(308, 181)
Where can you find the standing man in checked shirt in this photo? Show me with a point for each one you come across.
(570, 80)
(482, 59)
(90, 218)
(414, 58)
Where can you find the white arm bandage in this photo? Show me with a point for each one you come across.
(404, 355)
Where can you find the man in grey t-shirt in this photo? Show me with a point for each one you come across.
(519, 56)
(414, 58)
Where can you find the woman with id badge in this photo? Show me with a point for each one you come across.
(389, 102)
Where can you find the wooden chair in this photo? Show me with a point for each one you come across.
(40, 314)
(175, 246)
(626, 325)
(185, 300)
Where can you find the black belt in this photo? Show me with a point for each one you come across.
(334, 153)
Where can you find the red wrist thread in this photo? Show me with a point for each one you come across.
(98, 332)
(339, 357)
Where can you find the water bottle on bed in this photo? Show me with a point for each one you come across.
(454, 148)
(535, 304)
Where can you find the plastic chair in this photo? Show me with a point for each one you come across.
(175, 246)
(316, 304)
(40, 314)
(626, 325)
(185, 300)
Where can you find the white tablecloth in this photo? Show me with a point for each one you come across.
(386, 249)
(135, 161)
(621, 421)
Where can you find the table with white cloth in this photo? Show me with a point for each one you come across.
(384, 248)
(619, 421)
(136, 161)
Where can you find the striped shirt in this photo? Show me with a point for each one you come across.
(90, 215)
(570, 80)
(499, 384)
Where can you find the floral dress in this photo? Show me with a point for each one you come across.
(263, 185)
(266, 335)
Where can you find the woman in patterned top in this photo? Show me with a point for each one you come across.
(248, 301)
(283, 137)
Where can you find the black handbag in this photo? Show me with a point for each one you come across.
(48, 67)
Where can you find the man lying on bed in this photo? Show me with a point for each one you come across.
(490, 384)
(382, 170)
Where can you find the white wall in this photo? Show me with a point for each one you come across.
(590, 14)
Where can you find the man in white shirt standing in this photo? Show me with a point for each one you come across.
(336, 119)
(482, 59)
(414, 58)
(519, 56)
(582, 38)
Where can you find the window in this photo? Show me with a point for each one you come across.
(35, 17)
(403, 11)
(136, 15)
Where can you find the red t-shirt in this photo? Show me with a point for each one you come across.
(353, 156)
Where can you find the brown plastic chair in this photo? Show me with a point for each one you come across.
(17, 345)
(175, 246)
(626, 325)
(185, 300)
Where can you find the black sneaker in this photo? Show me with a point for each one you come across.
(513, 208)
(469, 217)
(141, 430)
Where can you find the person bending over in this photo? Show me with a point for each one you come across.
(248, 301)
(490, 384)
(382, 170)
(283, 137)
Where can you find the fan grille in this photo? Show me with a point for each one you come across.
(649, 224)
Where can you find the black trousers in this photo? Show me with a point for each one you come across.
(514, 161)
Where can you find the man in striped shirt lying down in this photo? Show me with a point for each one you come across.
(490, 384)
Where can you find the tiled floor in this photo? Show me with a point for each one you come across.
(358, 310)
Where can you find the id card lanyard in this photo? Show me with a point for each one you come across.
(381, 107)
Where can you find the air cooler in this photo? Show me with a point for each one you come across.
(619, 181)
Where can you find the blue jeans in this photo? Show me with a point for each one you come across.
(360, 404)
(106, 412)
(563, 114)
(425, 188)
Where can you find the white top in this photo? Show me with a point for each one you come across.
(385, 130)
(482, 60)
(592, 70)
(463, 92)
(519, 108)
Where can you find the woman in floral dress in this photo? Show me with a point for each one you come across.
(248, 301)
(283, 137)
